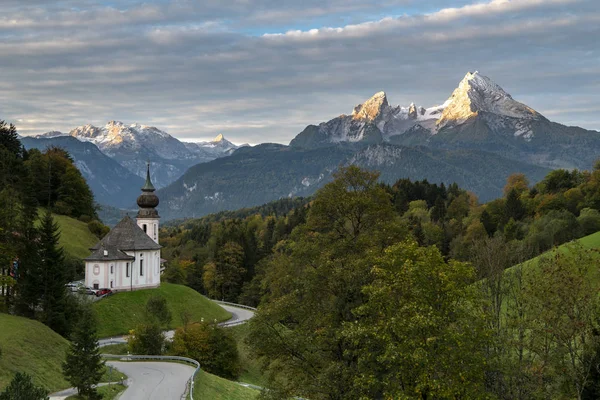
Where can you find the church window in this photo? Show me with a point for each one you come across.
(112, 269)
(155, 231)
(145, 227)
(96, 269)
(141, 267)
(127, 270)
(111, 284)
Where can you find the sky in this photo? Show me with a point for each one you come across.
(261, 70)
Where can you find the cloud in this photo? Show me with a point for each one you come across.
(200, 70)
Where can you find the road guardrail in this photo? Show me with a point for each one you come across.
(127, 357)
(232, 304)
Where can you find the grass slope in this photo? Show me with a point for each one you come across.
(75, 236)
(587, 242)
(208, 386)
(107, 392)
(251, 369)
(119, 313)
(31, 347)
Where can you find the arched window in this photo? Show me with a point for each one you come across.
(112, 269)
(145, 227)
(127, 270)
(141, 266)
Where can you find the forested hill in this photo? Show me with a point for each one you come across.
(405, 284)
(35, 187)
(47, 179)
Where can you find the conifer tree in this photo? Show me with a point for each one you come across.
(514, 207)
(22, 388)
(9, 139)
(54, 277)
(83, 364)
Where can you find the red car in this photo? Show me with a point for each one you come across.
(103, 292)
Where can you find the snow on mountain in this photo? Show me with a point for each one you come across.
(372, 121)
(116, 137)
(376, 120)
(134, 145)
(477, 93)
(218, 147)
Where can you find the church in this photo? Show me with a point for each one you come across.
(128, 257)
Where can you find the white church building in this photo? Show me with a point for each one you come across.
(128, 257)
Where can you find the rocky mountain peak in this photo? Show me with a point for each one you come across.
(477, 93)
(412, 111)
(372, 108)
(219, 138)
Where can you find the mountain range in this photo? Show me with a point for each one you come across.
(479, 115)
(132, 146)
(476, 138)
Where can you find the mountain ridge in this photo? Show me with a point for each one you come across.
(479, 114)
(133, 145)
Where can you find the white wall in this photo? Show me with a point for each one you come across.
(152, 227)
(99, 272)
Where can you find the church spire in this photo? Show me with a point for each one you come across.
(148, 186)
(148, 201)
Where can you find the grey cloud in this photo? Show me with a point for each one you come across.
(197, 78)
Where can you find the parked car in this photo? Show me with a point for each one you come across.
(103, 292)
(87, 290)
(74, 286)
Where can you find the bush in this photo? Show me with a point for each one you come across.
(85, 218)
(157, 310)
(98, 228)
(211, 346)
(589, 220)
(146, 339)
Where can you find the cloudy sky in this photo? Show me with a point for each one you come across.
(261, 70)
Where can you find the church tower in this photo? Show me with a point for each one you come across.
(147, 216)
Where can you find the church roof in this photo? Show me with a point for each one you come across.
(112, 254)
(126, 236)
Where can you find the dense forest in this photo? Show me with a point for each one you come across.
(34, 268)
(412, 290)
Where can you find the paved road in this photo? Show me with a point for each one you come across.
(154, 380)
(63, 394)
(163, 380)
(238, 316)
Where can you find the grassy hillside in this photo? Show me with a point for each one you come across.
(208, 386)
(251, 369)
(588, 242)
(75, 236)
(31, 347)
(119, 313)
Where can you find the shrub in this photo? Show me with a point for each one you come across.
(211, 346)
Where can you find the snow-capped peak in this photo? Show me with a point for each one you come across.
(372, 108)
(477, 93)
(219, 138)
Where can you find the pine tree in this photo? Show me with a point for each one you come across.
(22, 388)
(9, 139)
(54, 277)
(438, 212)
(83, 365)
(514, 207)
(488, 223)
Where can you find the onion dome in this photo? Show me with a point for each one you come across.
(147, 201)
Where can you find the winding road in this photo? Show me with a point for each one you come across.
(153, 380)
